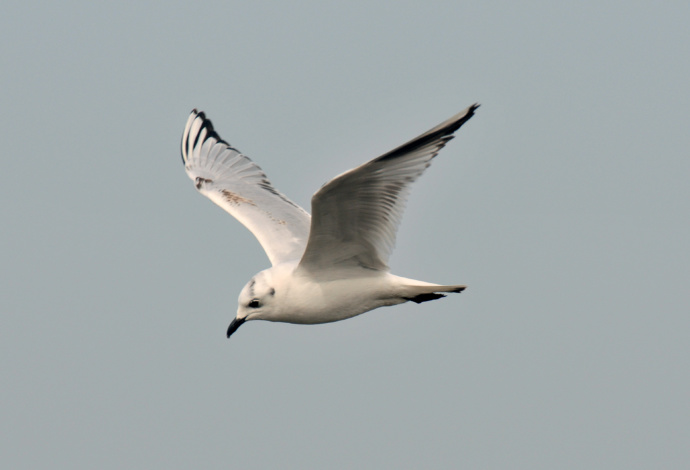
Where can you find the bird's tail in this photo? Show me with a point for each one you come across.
(418, 291)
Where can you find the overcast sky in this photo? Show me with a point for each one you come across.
(563, 205)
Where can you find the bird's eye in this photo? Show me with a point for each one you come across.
(254, 304)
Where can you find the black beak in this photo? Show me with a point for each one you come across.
(234, 324)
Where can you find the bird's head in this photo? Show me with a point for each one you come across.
(257, 301)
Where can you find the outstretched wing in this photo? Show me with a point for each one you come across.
(237, 184)
(355, 216)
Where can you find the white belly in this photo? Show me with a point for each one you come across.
(314, 302)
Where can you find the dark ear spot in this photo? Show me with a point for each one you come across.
(273, 291)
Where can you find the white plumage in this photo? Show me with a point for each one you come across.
(333, 265)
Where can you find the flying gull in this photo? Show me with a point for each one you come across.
(333, 264)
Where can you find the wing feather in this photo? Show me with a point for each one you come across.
(238, 185)
(355, 216)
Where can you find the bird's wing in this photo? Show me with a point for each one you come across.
(237, 184)
(355, 216)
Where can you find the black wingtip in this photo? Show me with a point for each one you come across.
(468, 114)
(185, 136)
(440, 134)
(464, 118)
(191, 141)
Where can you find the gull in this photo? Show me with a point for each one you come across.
(333, 264)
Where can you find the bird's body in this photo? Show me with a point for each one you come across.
(331, 266)
(302, 298)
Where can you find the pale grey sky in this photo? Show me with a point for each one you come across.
(563, 205)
